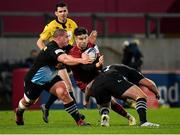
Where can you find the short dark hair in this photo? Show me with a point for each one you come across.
(61, 4)
(80, 30)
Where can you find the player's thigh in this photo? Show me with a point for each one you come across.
(32, 91)
(119, 86)
(54, 84)
(134, 92)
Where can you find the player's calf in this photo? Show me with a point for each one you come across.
(71, 108)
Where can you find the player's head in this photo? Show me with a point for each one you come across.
(81, 37)
(60, 36)
(61, 11)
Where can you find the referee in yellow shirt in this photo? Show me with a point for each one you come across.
(61, 21)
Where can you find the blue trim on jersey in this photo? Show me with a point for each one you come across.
(44, 75)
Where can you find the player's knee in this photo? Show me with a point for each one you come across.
(143, 96)
(63, 95)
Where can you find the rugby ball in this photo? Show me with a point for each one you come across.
(91, 52)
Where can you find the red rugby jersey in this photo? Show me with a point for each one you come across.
(83, 74)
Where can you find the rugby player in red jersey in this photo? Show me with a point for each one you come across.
(85, 73)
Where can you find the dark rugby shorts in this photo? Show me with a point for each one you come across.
(106, 86)
(33, 91)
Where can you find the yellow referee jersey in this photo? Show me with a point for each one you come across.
(49, 29)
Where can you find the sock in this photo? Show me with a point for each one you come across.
(119, 109)
(104, 110)
(72, 95)
(141, 109)
(71, 108)
(50, 101)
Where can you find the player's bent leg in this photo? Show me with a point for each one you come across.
(72, 96)
(120, 110)
(24, 104)
(60, 91)
(137, 94)
(70, 106)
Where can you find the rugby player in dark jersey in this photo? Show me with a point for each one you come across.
(43, 76)
(45, 107)
(121, 81)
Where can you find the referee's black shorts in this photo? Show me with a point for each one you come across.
(107, 85)
(33, 91)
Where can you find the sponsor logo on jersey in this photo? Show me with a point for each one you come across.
(59, 51)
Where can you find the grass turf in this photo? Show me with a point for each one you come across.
(61, 123)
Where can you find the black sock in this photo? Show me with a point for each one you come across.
(71, 108)
(141, 109)
(72, 95)
(104, 110)
(50, 101)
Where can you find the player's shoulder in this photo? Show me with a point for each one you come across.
(52, 23)
(52, 45)
(71, 21)
(54, 49)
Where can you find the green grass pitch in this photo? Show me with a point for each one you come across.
(61, 123)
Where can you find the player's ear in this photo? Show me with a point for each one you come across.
(56, 13)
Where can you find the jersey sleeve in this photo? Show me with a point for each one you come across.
(55, 51)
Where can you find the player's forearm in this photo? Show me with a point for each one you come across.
(64, 75)
(68, 60)
(88, 92)
(72, 61)
(40, 44)
(154, 89)
(87, 96)
(150, 85)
